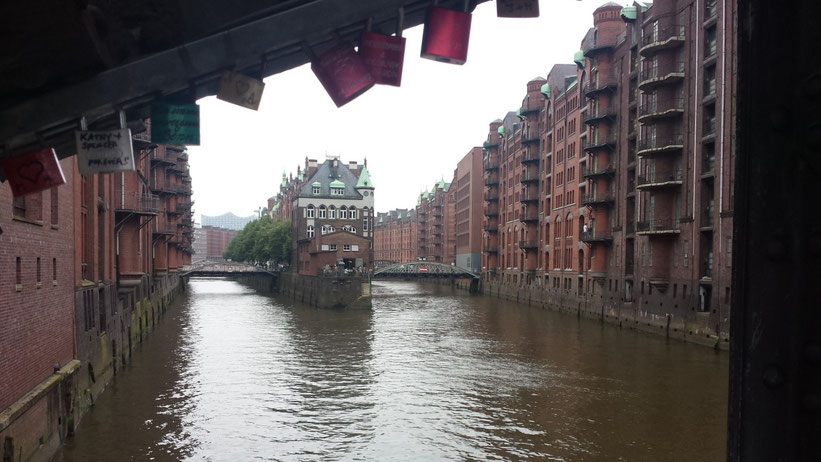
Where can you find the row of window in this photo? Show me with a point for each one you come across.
(345, 247)
(331, 212)
(19, 272)
(334, 191)
(328, 229)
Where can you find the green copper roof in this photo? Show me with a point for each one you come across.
(441, 184)
(337, 184)
(301, 175)
(578, 58)
(284, 180)
(380, 218)
(519, 114)
(628, 13)
(501, 130)
(316, 184)
(364, 179)
(546, 90)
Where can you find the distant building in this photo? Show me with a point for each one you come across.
(394, 238)
(227, 221)
(432, 219)
(216, 241)
(199, 244)
(468, 210)
(332, 218)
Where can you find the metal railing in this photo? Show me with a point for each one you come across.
(661, 70)
(592, 142)
(658, 107)
(602, 111)
(528, 244)
(491, 197)
(529, 216)
(658, 224)
(597, 235)
(601, 85)
(598, 198)
(596, 170)
(492, 211)
(136, 202)
(663, 35)
(491, 181)
(659, 177)
(659, 142)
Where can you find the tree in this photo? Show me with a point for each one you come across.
(262, 240)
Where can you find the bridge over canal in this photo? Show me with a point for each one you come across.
(428, 270)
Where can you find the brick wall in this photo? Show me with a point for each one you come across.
(37, 327)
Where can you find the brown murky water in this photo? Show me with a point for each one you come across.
(428, 374)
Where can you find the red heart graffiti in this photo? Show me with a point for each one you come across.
(31, 171)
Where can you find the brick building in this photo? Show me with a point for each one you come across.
(614, 187)
(93, 263)
(467, 214)
(216, 241)
(434, 243)
(332, 217)
(394, 237)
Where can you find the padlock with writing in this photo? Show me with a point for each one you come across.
(446, 34)
(342, 72)
(384, 54)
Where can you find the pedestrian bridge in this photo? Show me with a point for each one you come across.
(423, 269)
(222, 270)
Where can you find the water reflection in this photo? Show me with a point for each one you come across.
(428, 374)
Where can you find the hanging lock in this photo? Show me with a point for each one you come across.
(341, 71)
(105, 151)
(517, 8)
(384, 54)
(446, 34)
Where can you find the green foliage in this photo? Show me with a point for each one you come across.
(262, 240)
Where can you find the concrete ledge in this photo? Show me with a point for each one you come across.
(10, 414)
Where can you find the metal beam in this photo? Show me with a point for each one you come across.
(266, 46)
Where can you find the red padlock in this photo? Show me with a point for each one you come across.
(384, 54)
(33, 171)
(342, 72)
(446, 35)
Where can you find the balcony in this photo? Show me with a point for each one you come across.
(492, 181)
(669, 37)
(492, 211)
(490, 145)
(161, 187)
(652, 110)
(529, 217)
(490, 197)
(597, 237)
(594, 143)
(659, 226)
(529, 196)
(659, 180)
(601, 113)
(490, 228)
(593, 47)
(491, 249)
(655, 76)
(162, 159)
(708, 165)
(489, 166)
(133, 202)
(529, 156)
(593, 171)
(529, 245)
(530, 108)
(530, 138)
(598, 199)
(593, 89)
(531, 177)
(164, 228)
(649, 147)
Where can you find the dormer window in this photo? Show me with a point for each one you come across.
(315, 190)
(337, 191)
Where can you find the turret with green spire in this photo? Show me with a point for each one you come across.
(364, 179)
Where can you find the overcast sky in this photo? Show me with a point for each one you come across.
(412, 136)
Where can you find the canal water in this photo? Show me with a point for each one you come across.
(428, 374)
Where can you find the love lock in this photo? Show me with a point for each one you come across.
(384, 54)
(33, 171)
(446, 34)
(341, 71)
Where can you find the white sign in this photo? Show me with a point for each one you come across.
(105, 152)
(240, 90)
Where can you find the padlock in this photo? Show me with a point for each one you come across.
(342, 72)
(384, 54)
(517, 8)
(33, 171)
(446, 35)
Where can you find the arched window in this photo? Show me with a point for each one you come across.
(310, 231)
(332, 213)
(322, 211)
(310, 211)
(352, 229)
(343, 213)
(352, 212)
(556, 228)
(568, 225)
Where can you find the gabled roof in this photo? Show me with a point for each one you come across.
(364, 179)
(324, 175)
